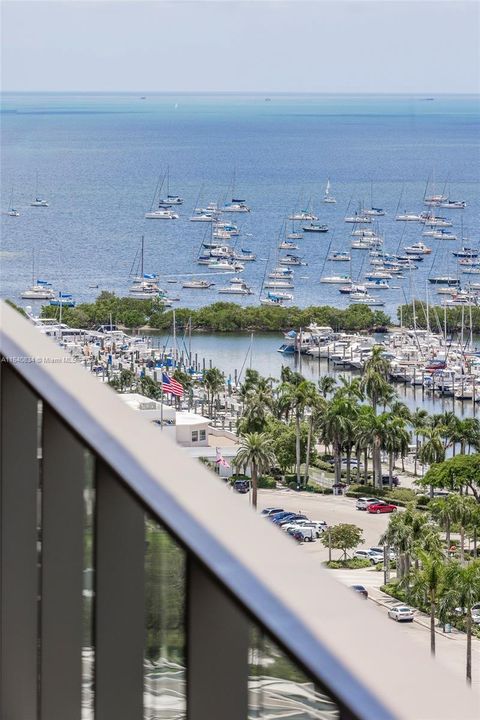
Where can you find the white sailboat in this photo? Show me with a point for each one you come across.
(144, 284)
(327, 198)
(12, 212)
(163, 212)
(39, 289)
(38, 202)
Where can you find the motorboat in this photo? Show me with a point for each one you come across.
(284, 283)
(433, 221)
(294, 236)
(245, 256)
(161, 215)
(315, 227)
(366, 300)
(38, 202)
(287, 245)
(12, 213)
(197, 284)
(434, 199)
(418, 248)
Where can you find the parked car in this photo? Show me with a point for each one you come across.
(476, 613)
(401, 613)
(381, 507)
(379, 551)
(241, 486)
(360, 589)
(305, 533)
(271, 511)
(276, 517)
(374, 558)
(364, 502)
(320, 526)
(291, 519)
(386, 480)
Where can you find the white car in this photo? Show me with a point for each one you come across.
(401, 613)
(319, 526)
(373, 558)
(306, 534)
(363, 502)
(379, 551)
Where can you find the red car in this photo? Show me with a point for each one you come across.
(381, 508)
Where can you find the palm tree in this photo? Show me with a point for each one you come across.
(432, 449)
(375, 387)
(462, 509)
(443, 512)
(418, 421)
(427, 588)
(464, 584)
(255, 451)
(336, 426)
(395, 441)
(326, 385)
(298, 395)
(214, 382)
(399, 410)
(316, 405)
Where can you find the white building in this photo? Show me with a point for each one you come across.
(186, 428)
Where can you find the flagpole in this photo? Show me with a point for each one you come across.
(161, 405)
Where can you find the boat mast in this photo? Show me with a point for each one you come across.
(141, 259)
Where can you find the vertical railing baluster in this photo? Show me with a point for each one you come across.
(119, 600)
(18, 566)
(63, 482)
(217, 650)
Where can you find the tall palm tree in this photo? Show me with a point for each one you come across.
(214, 383)
(443, 512)
(395, 440)
(317, 405)
(375, 387)
(464, 584)
(432, 449)
(336, 426)
(298, 396)
(418, 421)
(463, 509)
(255, 451)
(427, 588)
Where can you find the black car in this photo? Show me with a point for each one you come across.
(360, 589)
(241, 486)
(386, 480)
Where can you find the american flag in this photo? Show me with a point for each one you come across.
(220, 460)
(170, 385)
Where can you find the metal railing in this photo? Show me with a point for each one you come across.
(57, 425)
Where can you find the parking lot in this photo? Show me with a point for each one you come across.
(451, 648)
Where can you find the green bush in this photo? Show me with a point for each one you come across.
(352, 564)
(323, 465)
(379, 567)
(267, 482)
(403, 494)
(393, 589)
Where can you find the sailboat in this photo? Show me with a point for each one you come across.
(170, 199)
(39, 289)
(327, 198)
(145, 285)
(236, 205)
(11, 210)
(163, 212)
(38, 202)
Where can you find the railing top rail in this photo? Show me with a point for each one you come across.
(356, 655)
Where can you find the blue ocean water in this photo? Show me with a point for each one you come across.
(98, 159)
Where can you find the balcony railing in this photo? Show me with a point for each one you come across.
(134, 585)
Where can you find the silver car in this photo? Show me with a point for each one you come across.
(401, 613)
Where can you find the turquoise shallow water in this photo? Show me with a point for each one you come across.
(98, 158)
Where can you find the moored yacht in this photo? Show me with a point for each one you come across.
(327, 198)
(236, 287)
(160, 214)
(315, 227)
(197, 284)
(336, 279)
(304, 215)
(418, 248)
